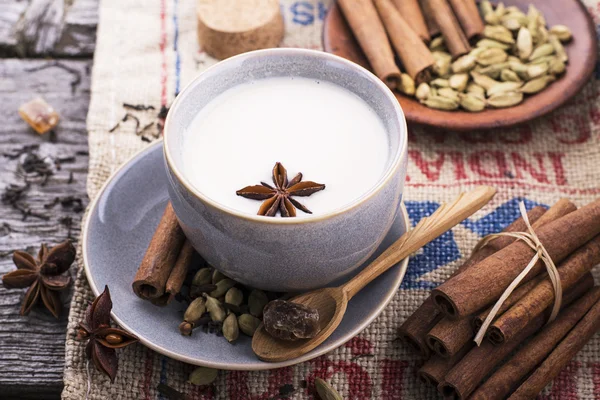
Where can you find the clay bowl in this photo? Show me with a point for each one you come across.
(582, 51)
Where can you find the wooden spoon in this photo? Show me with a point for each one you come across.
(332, 302)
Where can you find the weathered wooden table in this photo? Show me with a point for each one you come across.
(33, 32)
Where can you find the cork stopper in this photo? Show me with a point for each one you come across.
(230, 27)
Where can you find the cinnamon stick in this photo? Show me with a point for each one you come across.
(414, 54)
(435, 369)
(449, 336)
(444, 17)
(505, 379)
(432, 27)
(463, 295)
(178, 274)
(468, 15)
(414, 330)
(539, 298)
(411, 12)
(156, 266)
(564, 352)
(372, 38)
(462, 380)
(509, 302)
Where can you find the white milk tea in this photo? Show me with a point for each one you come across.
(318, 128)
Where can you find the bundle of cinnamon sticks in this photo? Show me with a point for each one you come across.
(410, 24)
(442, 329)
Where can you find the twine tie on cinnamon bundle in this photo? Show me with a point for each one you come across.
(532, 240)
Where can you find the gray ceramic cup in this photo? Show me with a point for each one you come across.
(286, 254)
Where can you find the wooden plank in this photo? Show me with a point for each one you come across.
(60, 28)
(32, 347)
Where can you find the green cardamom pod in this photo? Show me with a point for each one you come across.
(437, 44)
(476, 90)
(248, 324)
(503, 87)
(448, 93)
(542, 50)
(487, 10)
(407, 85)
(472, 102)
(202, 277)
(558, 48)
(557, 67)
(562, 32)
(478, 50)
(441, 67)
(492, 44)
(423, 91)
(542, 60)
(512, 24)
(483, 80)
(519, 68)
(493, 71)
(500, 9)
(492, 56)
(441, 55)
(234, 296)
(441, 103)
(533, 15)
(257, 302)
(217, 276)
(459, 82)
(542, 35)
(231, 331)
(498, 33)
(507, 99)
(195, 310)
(203, 376)
(518, 16)
(507, 75)
(439, 83)
(538, 84)
(326, 391)
(464, 64)
(222, 287)
(215, 309)
(536, 70)
(524, 44)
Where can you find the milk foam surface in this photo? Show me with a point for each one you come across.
(318, 128)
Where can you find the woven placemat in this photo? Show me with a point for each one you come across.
(147, 51)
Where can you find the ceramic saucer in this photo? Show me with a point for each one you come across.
(120, 224)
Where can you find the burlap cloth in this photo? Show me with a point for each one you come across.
(147, 51)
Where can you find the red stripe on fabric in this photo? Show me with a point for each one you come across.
(392, 379)
(148, 369)
(163, 47)
(564, 386)
(596, 379)
(510, 184)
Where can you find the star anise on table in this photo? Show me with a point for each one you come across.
(103, 340)
(44, 276)
(280, 196)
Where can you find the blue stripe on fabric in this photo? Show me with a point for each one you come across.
(176, 47)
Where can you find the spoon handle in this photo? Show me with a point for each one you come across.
(428, 229)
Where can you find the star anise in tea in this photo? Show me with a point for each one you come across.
(44, 276)
(103, 340)
(280, 197)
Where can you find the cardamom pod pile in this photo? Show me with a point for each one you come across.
(516, 56)
(223, 306)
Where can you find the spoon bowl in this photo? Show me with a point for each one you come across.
(331, 304)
